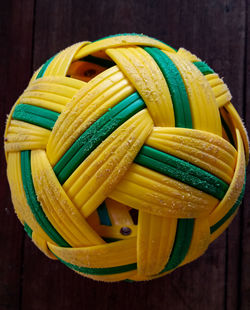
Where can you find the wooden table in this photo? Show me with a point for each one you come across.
(32, 31)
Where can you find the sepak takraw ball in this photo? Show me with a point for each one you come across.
(125, 158)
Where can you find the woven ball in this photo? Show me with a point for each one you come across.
(125, 158)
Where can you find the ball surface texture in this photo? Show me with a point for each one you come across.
(125, 157)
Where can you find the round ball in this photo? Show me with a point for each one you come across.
(125, 157)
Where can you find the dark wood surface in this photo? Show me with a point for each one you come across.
(31, 31)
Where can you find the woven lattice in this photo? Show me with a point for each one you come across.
(126, 158)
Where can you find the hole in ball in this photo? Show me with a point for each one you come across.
(125, 231)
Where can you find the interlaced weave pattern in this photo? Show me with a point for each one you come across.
(125, 158)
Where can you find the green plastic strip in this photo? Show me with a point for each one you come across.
(183, 117)
(100, 271)
(181, 170)
(34, 203)
(95, 134)
(103, 215)
(28, 230)
(182, 242)
(106, 63)
(230, 212)
(203, 67)
(35, 115)
(44, 67)
(227, 130)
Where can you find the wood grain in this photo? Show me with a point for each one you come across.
(214, 30)
(16, 26)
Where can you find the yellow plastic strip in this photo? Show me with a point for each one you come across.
(182, 242)
(155, 193)
(24, 136)
(35, 74)
(118, 213)
(223, 227)
(235, 187)
(34, 204)
(59, 209)
(100, 256)
(200, 240)
(65, 84)
(100, 271)
(137, 278)
(83, 269)
(49, 97)
(57, 85)
(100, 94)
(44, 67)
(230, 212)
(22, 209)
(43, 103)
(203, 149)
(9, 118)
(51, 93)
(17, 193)
(111, 278)
(121, 40)
(60, 64)
(214, 79)
(220, 89)
(114, 232)
(42, 245)
(176, 87)
(100, 172)
(119, 216)
(204, 109)
(187, 55)
(156, 236)
(95, 134)
(238, 124)
(149, 81)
